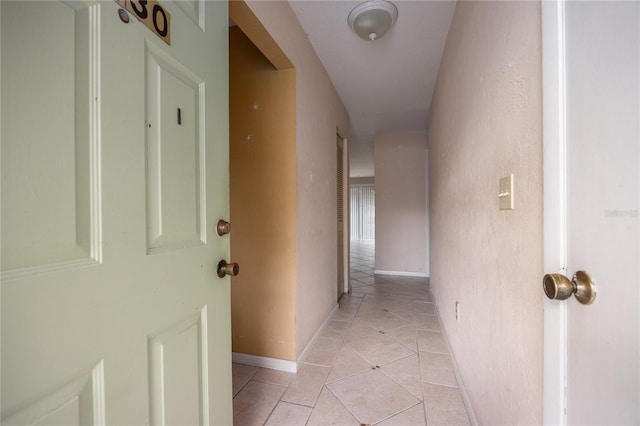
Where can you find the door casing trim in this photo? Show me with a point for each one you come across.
(554, 152)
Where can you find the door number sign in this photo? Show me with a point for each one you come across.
(150, 13)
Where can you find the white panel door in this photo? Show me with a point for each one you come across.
(592, 189)
(114, 174)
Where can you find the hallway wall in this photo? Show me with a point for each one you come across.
(320, 113)
(485, 122)
(401, 202)
(262, 175)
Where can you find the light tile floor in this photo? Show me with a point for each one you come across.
(381, 360)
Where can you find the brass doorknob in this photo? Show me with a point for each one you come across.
(223, 227)
(558, 287)
(224, 269)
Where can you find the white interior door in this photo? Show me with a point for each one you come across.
(591, 54)
(114, 174)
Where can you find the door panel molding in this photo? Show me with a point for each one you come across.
(184, 344)
(81, 401)
(194, 9)
(176, 200)
(55, 229)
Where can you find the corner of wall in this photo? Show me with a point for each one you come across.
(319, 112)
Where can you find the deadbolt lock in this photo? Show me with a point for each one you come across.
(558, 287)
(223, 227)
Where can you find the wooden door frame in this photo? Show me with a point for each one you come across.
(554, 147)
(346, 229)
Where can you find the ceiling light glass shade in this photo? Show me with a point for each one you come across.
(373, 18)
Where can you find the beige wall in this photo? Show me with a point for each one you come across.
(485, 123)
(263, 201)
(401, 202)
(320, 113)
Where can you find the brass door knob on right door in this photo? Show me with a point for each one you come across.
(558, 287)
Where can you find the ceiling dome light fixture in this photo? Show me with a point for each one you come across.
(373, 18)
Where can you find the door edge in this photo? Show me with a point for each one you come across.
(555, 208)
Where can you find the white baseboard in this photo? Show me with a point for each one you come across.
(317, 334)
(401, 273)
(265, 362)
(281, 364)
(456, 371)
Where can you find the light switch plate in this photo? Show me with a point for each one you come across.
(505, 195)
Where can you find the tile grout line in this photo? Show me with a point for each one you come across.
(342, 403)
(369, 291)
(330, 367)
(248, 381)
(399, 412)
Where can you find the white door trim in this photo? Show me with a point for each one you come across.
(555, 207)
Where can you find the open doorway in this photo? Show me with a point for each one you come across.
(363, 211)
(262, 175)
(362, 200)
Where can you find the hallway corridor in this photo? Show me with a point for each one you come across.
(380, 360)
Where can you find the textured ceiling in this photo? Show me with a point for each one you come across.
(385, 85)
